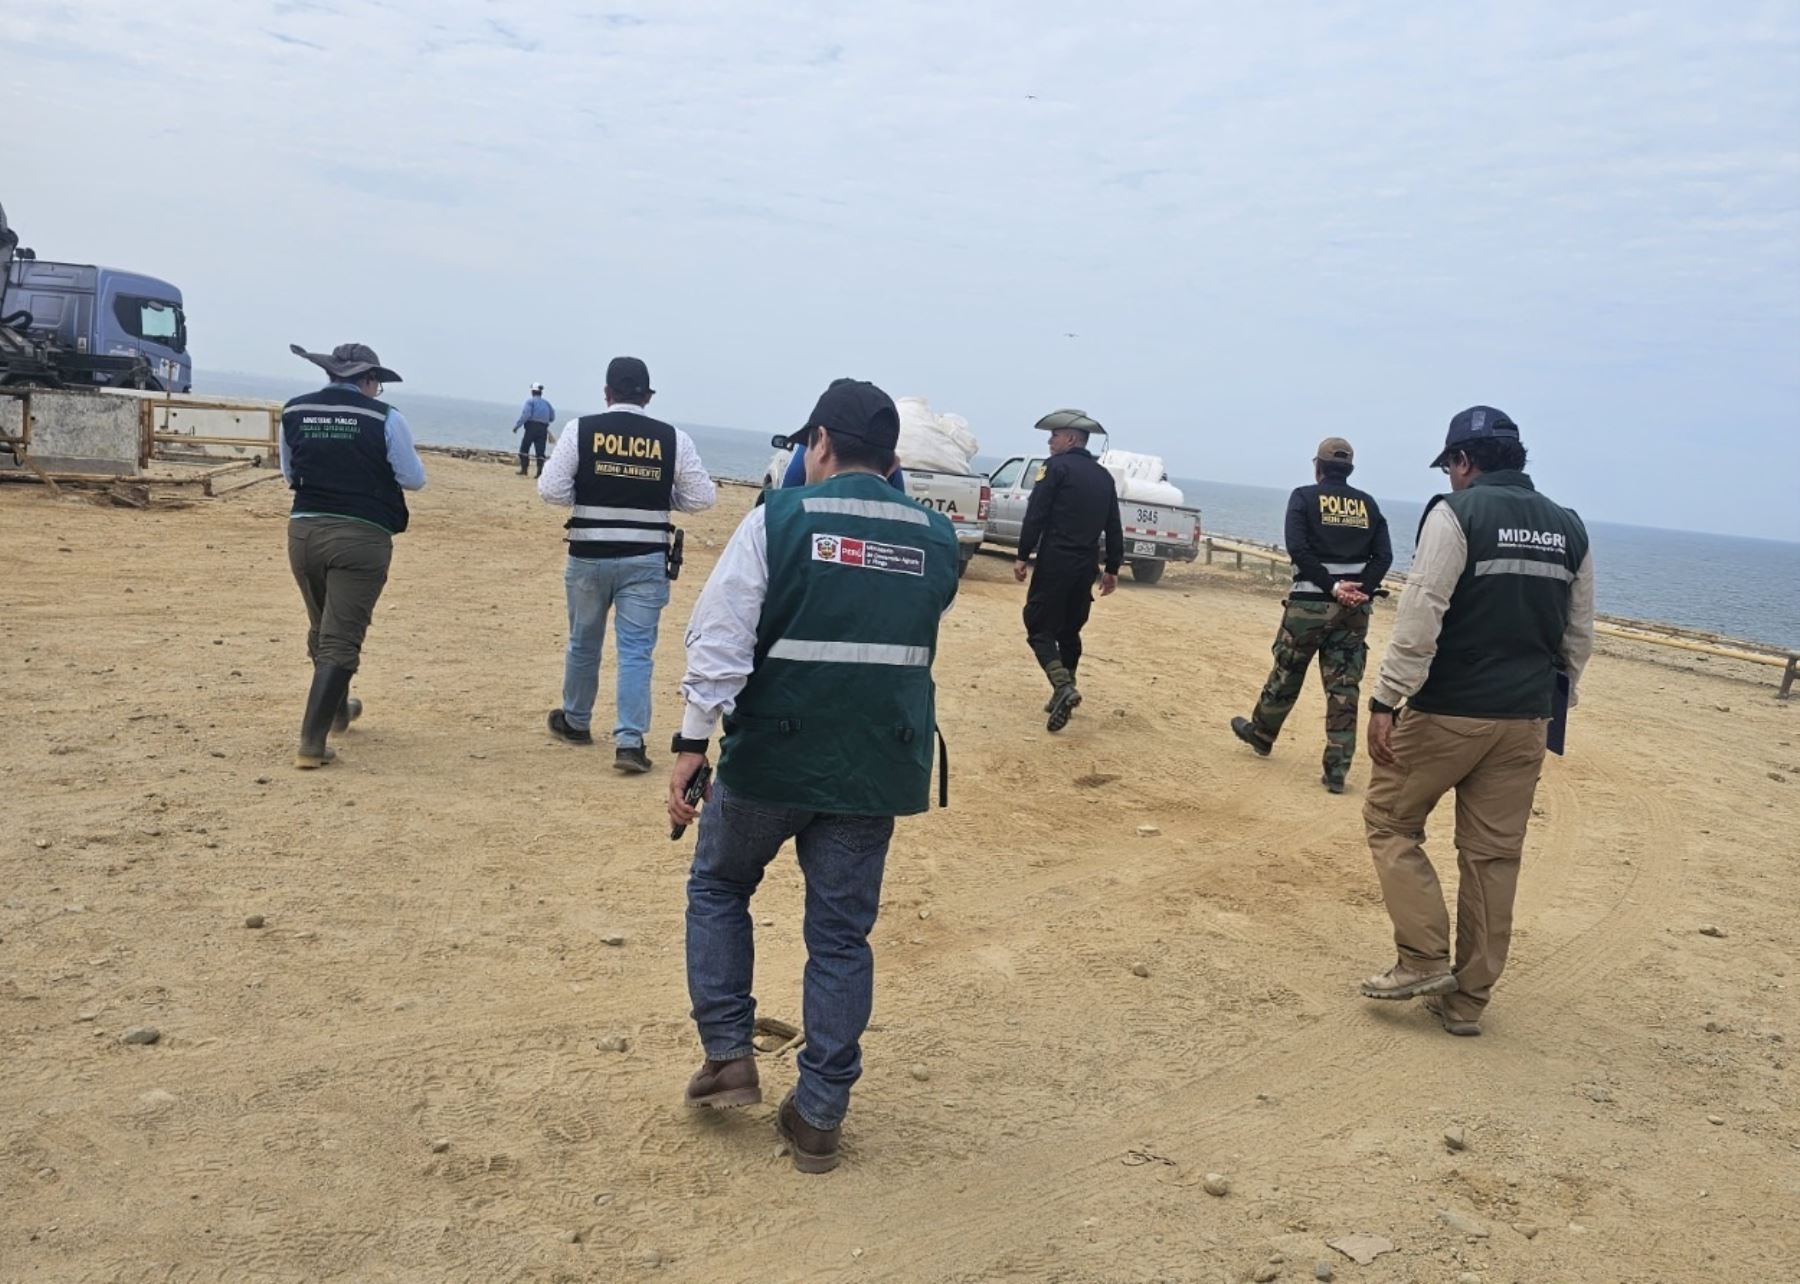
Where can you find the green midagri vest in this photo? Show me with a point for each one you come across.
(839, 714)
(1501, 642)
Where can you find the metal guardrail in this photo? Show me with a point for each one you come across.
(1664, 635)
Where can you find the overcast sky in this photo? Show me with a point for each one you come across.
(1224, 230)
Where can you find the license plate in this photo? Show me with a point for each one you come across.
(1143, 549)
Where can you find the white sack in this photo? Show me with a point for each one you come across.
(933, 442)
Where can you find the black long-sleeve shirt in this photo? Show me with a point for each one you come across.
(1336, 532)
(1073, 505)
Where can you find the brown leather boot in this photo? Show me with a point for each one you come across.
(720, 1085)
(815, 1150)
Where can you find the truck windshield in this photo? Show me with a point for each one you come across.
(157, 320)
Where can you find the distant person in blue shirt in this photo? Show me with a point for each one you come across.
(535, 417)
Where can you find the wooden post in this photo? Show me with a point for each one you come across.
(1787, 677)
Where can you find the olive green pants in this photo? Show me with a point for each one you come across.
(341, 566)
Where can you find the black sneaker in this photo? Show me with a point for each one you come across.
(1241, 728)
(560, 728)
(1062, 704)
(631, 759)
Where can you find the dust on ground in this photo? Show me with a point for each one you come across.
(433, 964)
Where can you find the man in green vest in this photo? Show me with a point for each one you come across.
(813, 640)
(1497, 619)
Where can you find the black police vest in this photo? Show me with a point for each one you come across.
(1501, 641)
(337, 457)
(624, 484)
(1341, 522)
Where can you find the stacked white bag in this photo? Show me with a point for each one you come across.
(933, 442)
(1140, 478)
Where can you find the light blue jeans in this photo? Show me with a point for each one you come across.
(842, 858)
(639, 588)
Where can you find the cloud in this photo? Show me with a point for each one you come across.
(1259, 219)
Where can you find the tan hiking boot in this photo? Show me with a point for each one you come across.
(722, 1085)
(815, 1150)
(1401, 982)
(1452, 1025)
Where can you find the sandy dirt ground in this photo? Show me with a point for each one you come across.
(434, 968)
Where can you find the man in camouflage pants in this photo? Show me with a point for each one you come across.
(1339, 544)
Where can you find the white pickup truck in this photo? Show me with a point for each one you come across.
(1155, 534)
(962, 497)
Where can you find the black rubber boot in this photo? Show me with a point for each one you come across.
(347, 713)
(522, 465)
(540, 467)
(323, 704)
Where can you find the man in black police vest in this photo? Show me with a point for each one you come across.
(1339, 544)
(620, 473)
(1073, 504)
(348, 457)
(1497, 617)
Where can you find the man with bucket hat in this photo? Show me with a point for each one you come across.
(813, 639)
(1338, 541)
(1493, 631)
(348, 457)
(1073, 504)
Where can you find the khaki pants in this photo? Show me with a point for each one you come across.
(1493, 766)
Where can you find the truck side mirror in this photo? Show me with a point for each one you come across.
(779, 441)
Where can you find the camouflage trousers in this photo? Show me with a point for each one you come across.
(1339, 636)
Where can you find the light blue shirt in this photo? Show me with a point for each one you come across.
(403, 456)
(536, 411)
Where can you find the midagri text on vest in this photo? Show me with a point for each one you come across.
(1517, 537)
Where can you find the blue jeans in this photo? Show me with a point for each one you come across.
(842, 858)
(639, 588)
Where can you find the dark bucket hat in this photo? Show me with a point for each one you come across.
(348, 361)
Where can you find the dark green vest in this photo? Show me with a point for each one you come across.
(839, 714)
(1501, 642)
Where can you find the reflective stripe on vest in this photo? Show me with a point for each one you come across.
(1524, 566)
(618, 534)
(600, 513)
(880, 510)
(318, 408)
(906, 657)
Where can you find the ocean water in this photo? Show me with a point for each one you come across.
(1744, 588)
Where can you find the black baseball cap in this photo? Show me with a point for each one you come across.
(854, 408)
(629, 377)
(1477, 423)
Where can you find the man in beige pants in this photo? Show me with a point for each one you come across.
(1498, 609)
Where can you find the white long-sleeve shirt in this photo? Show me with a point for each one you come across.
(1438, 563)
(694, 488)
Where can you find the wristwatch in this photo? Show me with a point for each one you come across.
(1375, 706)
(681, 744)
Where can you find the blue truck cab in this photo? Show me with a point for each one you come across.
(105, 312)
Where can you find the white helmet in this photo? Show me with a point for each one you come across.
(537, 387)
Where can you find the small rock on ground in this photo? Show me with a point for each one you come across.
(254, 920)
(1148, 831)
(1140, 969)
(141, 1034)
(1528, 1229)
(1217, 1184)
(1456, 1139)
(1715, 1120)
(1713, 929)
(439, 1146)
(614, 1043)
(1266, 1274)
(920, 1073)
(1468, 1277)
(612, 940)
(1462, 1223)
(1322, 1271)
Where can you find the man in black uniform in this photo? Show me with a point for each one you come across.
(1072, 505)
(1339, 544)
